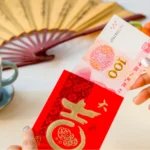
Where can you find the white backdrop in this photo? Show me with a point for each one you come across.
(131, 127)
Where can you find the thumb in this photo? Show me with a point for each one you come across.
(28, 142)
(146, 63)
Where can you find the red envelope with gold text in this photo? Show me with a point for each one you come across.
(77, 115)
(81, 108)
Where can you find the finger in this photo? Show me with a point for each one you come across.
(146, 63)
(29, 142)
(143, 80)
(14, 147)
(142, 97)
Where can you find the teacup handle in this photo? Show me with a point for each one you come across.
(8, 64)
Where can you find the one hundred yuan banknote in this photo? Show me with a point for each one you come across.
(113, 61)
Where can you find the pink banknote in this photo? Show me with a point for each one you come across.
(113, 61)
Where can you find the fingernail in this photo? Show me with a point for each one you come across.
(149, 107)
(134, 99)
(145, 62)
(26, 128)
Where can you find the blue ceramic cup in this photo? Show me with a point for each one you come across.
(11, 79)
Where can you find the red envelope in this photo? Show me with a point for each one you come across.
(77, 115)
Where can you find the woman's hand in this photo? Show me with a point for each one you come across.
(143, 80)
(28, 141)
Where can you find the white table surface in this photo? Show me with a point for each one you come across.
(131, 127)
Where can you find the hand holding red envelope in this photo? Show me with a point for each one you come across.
(83, 104)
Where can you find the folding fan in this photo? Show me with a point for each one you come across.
(28, 28)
